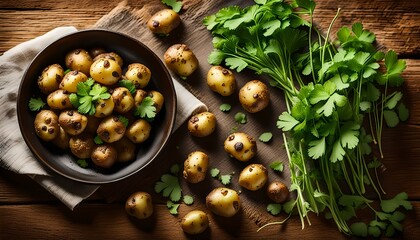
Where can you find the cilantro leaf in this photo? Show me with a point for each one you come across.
(173, 207)
(225, 179)
(274, 208)
(127, 84)
(359, 229)
(124, 120)
(277, 166)
(286, 122)
(188, 200)
(392, 204)
(349, 135)
(338, 152)
(391, 118)
(74, 100)
(266, 137)
(169, 187)
(82, 163)
(98, 140)
(236, 63)
(374, 231)
(403, 112)
(175, 5)
(174, 169)
(317, 148)
(240, 117)
(225, 107)
(99, 92)
(146, 109)
(36, 104)
(393, 101)
(216, 57)
(214, 172)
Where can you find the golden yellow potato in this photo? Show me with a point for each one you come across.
(80, 60)
(50, 78)
(72, 122)
(104, 155)
(221, 80)
(139, 205)
(254, 96)
(164, 21)
(202, 124)
(195, 167)
(195, 222)
(59, 99)
(253, 177)
(46, 125)
(224, 202)
(180, 59)
(139, 131)
(138, 74)
(71, 79)
(105, 71)
(240, 146)
(123, 100)
(111, 129)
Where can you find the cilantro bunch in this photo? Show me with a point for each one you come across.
(338, 99)
(88, 93)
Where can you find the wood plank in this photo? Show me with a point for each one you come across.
(109, 221)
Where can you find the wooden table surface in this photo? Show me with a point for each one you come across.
(27, 211)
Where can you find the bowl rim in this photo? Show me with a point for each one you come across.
(166, 137)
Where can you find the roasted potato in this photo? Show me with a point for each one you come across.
(59, 99)
(104, 155)
(110, 55)
(46, 125)
(104, 107)
(123, 100)
(253, 177)
(138, 131)
(72, 122)
(164, 21)
(138, 96)
(278, 192)
(71, 79)
(180, 59)
(254, 96)
(157, 98)
(111, 129)
(93, 52)
(240, 146)
(195, 167)
(105, 71)
(79, 60)
(195, 222)
(62, 139)
(224, 202)
(139, 205)
(50, 78)
(82, 145)
(126, 150)
(221, 80)
(138, 74)
(202, 124)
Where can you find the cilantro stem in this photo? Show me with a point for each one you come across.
(326, 42)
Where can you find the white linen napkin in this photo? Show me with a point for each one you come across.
(14, 153)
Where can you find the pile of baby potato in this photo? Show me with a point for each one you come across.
(112, 123)
(253, 96)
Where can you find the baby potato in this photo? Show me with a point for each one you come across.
(59, 99)
(111, 129)
(254, 96)
(62, 139)
(104, 155)
(71, 79)
(202, 124)
(253, 177)
(221, 80)
(123, 100)
(82, 145)
(104, 107)
(157, 98)
(139, 131)
(46, 125)
(93, 52)
(138, 96)
(139, 205)
(278, 192)
(92, 124)
(50, 78)
(138, 74)
(164, 21)
(110, 55)
(240, 146)
(72, 122)
(80, 60)
(195, 167)
(224, 202)
(180, 59)
(105, 71)
(195, 222)
(126, 150)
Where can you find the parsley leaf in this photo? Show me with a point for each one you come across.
(36, 104)
(225, 107)
(82, 163)
(403, 112)
(146, 109)
(277, 166)
(98, 140)
(124, 120)
(391, 118)
(274, 208)
(359, 229)
(169, 187)
(175, 5)
(127, 84)
(266, 137)
(286, 122)
(173, 207)
(240, 117)
(188, 200)
(400, 199)
(225, 179)
(214, 172)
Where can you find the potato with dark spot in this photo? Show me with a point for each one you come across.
(106, 71)
(46, 125)
(123, 100)
(180, 59)
(138, 74)
(82, 145)
(202, 124)
(104, 107)
(254, 96)
(195, 222)
(50, 78)
(195, 167)
(139, 131)
(138, 96)
(278, 192)
(104, 156)
(79, 60)
(139, 205)
(93, 52)
(253, 177)
(157, 98)
(71, 79)
(110, 55)
(221, 80)
(126, 150)
(240, 146)
(224, 202)
(111, 129)
(59, 99)
(164, 21)
(62, 139)
(72, 122)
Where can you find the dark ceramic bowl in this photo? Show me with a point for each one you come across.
(131, 50)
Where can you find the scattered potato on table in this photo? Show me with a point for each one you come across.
(111, 129)
(202, 124)
(138, 131)
(71, 79)
(138, 74)
(72, 122)
(106, 71)
(50, 78)
(80, 60)
(46, 125)
(240, 146)
(253, 177)
(195, 222)
(180, 59)
(139, 205)
(82, 145)
(224, 202)
(278, 192)
(164, 21)
(195, 167)
(221, 80)
(104, 155)
(254, 96)
(59, 99)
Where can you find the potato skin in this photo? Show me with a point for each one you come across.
(202, 124)
(138, 74)
(126, 150)
(240, 146)
(46, 125)
(111, 129)
(278, 192)
(138, 131)
(59, 99)
(50, 78)
(110, 55)
(80, 60)
(253, 177)
(224, 202)
(139, 205)
(104, 155)
(72, 122)
(71, 79)
(82, 145)
(157, 98)
(221, 80)
(195, 167)
(123, 100)
(105, 71)
(195, 222)
(62, 139)
(164, 21)
(104, 107)
(180, 59)
(254, 96)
